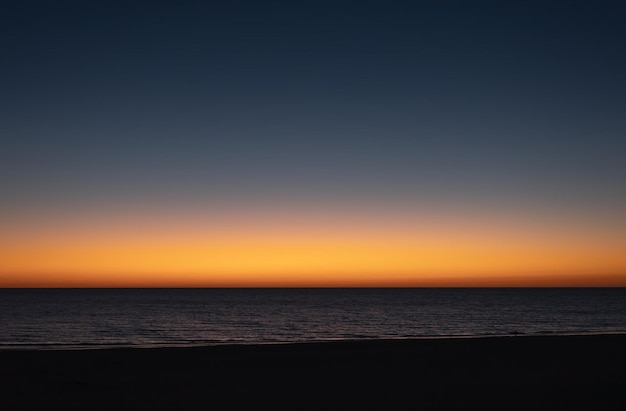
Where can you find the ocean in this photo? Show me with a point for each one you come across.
(105, 318)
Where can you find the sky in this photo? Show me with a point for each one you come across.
(344, 143)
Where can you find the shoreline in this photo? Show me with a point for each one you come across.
(515, 373)
(156, 346)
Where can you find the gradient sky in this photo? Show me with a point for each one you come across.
(196, 143)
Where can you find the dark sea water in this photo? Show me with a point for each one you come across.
(79, 318)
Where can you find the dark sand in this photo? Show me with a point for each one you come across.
(505, 373)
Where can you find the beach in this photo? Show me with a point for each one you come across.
(508, 373)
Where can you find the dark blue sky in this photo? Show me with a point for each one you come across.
(510, 104)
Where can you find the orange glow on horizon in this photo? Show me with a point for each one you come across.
(294, 254)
